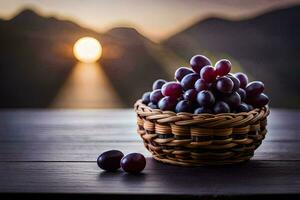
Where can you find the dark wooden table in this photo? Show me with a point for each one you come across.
(53, 153)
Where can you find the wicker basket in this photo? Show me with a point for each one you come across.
(205, 139)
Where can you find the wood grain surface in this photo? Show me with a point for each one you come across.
(54, 152)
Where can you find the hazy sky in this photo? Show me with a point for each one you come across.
(157, 19)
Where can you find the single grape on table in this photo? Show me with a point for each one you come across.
(110, 160)
(133, 163)
(204, 89)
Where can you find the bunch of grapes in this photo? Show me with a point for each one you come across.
(206, 89)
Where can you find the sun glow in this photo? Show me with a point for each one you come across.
(87, 49)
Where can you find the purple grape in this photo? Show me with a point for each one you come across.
(200, 85)
(202, 110)
(155, 96)
(172, 89)
(208, 74)
(205, 98)
(189, 80)
(197, 62)
(182, 72)
(133, 163)
(110, 160)
(158, 84)
(233, 100)
(243, 78)
(221, 107)
(152, 105)
(184, 106)
(236, 83)
(190, 95)
(224, 84)
(242, 93)
(223, 67)
(254, 88)
(146, 98)
(243, 108)
(167, 103)
(259, 100)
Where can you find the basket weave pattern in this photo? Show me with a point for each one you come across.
(194, 140)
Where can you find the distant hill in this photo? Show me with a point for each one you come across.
(133, 62)
(267, 47)
(36, 58)
(36, 55)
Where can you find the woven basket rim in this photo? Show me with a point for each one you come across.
(205, 120)
(139, 103)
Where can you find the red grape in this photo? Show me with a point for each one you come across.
(206, 89)
(155, 96)
(133, 163)
(243, 78)
(221, 107)
(223, 67)
(254, 88)
(182, 72)
(184, 106)
(190, 95)
(200, 85)
(205, 98)
(197, 62)
(110, 160)
(146, 98)
(158, 84)
(208, 73)
(172, 89)
(224, 84)
(167, 103)
(202, 110)
(189, 80)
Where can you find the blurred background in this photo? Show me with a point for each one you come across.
(47, 61)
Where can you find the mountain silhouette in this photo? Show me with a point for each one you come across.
(266, 46)
(133, 62)
(37, 58)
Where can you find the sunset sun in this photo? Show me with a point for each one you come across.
(87, 49)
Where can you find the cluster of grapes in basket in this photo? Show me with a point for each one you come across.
(206, 89)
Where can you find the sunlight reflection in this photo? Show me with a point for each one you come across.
(87, 87)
